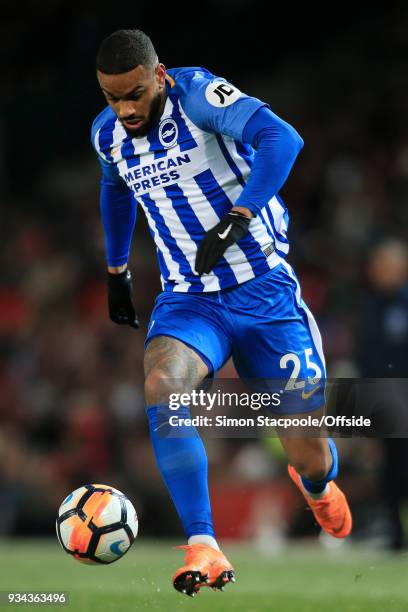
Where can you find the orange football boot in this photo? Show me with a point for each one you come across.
(204, 566)
(331, 511)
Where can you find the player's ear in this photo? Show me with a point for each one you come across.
(160, 71)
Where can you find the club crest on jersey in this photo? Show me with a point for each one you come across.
(168, 133)
(220, 94)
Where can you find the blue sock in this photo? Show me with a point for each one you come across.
(317, 486)
(182, 462)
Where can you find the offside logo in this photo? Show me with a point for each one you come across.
(168, 133)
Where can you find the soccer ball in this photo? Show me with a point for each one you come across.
(96, 524)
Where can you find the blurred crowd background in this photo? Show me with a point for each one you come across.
(71, 400)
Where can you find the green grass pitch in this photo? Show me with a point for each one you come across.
(301, 579)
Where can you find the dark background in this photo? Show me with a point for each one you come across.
(71, 404)
(348, 55)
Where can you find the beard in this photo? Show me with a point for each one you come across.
(152, 118)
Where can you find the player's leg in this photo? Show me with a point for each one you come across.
(314, 475)
(175, 365)
(172, 367)
(310, 456)
(278, 339)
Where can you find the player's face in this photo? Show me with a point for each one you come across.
(137, 97)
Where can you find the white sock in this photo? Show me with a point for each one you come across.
(317, 495)
(203, 539)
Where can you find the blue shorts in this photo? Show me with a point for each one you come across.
(263, 324)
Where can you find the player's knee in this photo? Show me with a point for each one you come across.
(159, 386)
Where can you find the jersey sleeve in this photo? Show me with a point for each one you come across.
(118, 211)
(277, 145)
(118, 208)
(215, 105)
(110, 174)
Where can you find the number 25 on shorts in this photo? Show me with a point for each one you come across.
(293, 382)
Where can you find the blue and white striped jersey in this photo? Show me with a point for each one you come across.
(187, 173)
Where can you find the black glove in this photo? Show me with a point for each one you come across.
(120, 294)
(228, 231)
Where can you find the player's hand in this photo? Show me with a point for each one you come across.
(120, 299)
(228, 231)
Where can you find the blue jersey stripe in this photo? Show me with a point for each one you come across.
(196, 230)
(175, 251)
(213, 192)
(128, 153)
(186, 139)
(267, 227)
(230, 161)
(278, 235)
(164, 271)
(155, 147)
